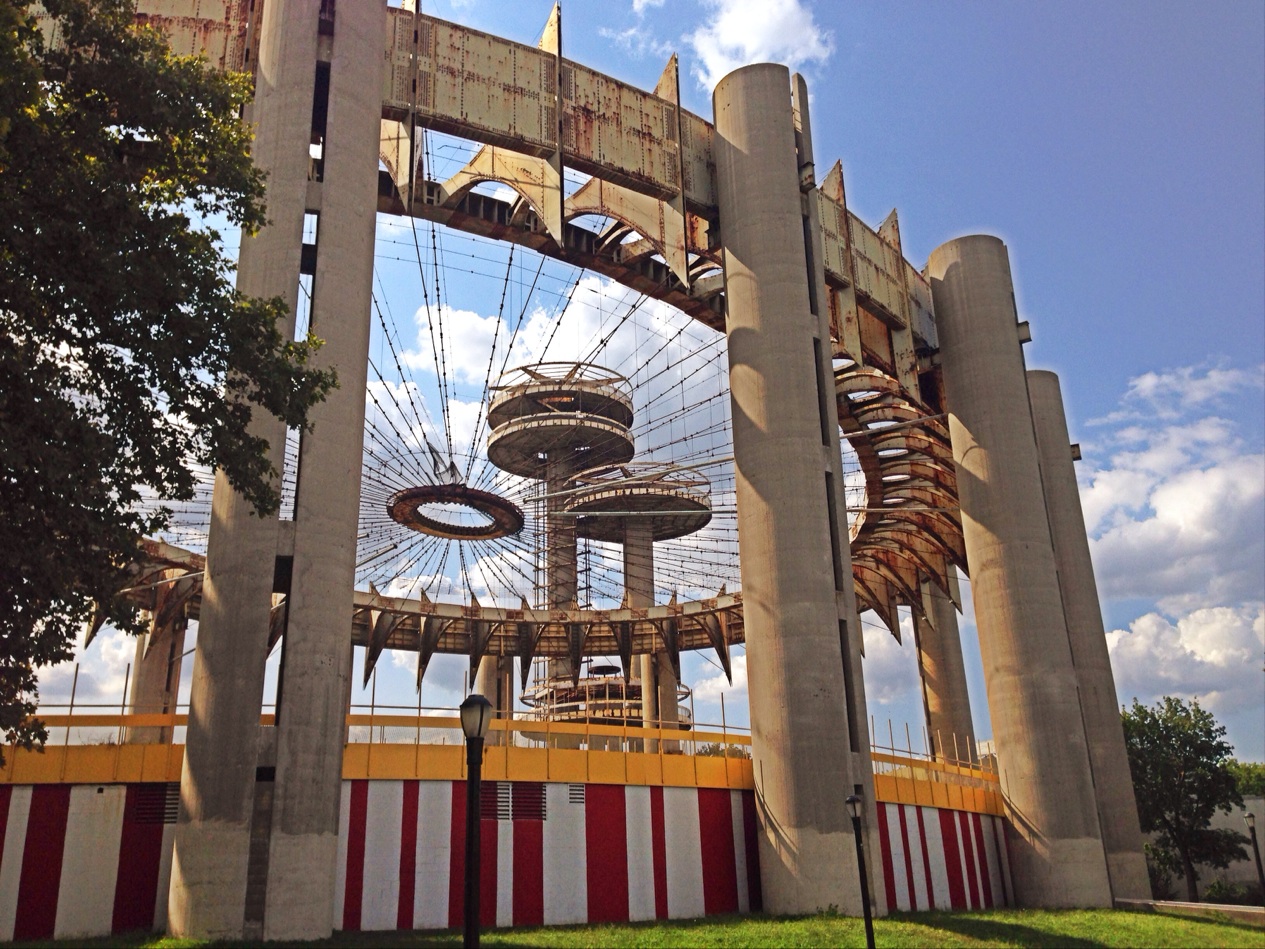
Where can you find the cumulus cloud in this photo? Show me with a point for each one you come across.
(741, 32)
(1175, 506)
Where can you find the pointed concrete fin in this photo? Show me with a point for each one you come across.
(422, 597)
(96, 618)
(723, 587)
(474, 602)
(832, 185)
(522, 599)
(528, 638)
(670, 634)
(551, 38)
(889, 230)
(716, 631)
(373, 590)
(576, 634)
(480, 635)
(669, 84)
(623, 603)
(672, 602)
(432, 627)
(384, 624)
(623, 637)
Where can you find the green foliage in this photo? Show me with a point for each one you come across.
(1233, 894)
(1181, 776)
(715, 749)
(1249, 777)
(126, 355)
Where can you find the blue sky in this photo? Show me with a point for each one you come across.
(1119, 149)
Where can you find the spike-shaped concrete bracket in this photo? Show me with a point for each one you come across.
(669, 633)
(624, 637)
(432, 628)
(715, 626)
(536, 179)
(577, 633)
(660, 222)
(480, 635)
(528, 639)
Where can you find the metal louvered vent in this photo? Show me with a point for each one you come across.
(494, 800)
(575, 794)
(156, 803)
(527, 800)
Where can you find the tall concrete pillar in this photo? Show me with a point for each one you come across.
(943, 674)
(310, 729)
(658, 681)
(1056, 850)
(217, 785)
(156, 679)
(495, 682)
(1113, 784)
(794, 558)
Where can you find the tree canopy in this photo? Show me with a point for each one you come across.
(1182, 775)
(126, 355)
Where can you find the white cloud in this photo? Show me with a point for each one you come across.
(741, 32)
(1211, 654)
(641, 6)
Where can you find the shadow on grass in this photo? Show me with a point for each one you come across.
(989, 930)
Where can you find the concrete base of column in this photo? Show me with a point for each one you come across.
(209, 861)
(1056, 874)
(307, 910)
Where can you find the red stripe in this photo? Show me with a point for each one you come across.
(354, 892)
(909, 858)
(968, 847)
(408, 856)
(750, 829)
(926, 859)
(140, 853)
(41, 862)
(529, 873)
(885, 850)
(983, 861)
(659, 851)
(457, 856)
(952, 860)
(606, 852)
(716, 836)
(487, 872)
(6, 794)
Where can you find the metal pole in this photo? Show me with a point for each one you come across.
(474, 774)
(865, 877)
(1256, 852)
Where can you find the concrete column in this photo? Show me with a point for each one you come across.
(1113, 784)
(495, 682)
(1056, 850)
(156, 679)
(310, 731)
(945, 698)
(217, 785)
(784, 437)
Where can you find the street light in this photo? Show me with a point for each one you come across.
(854, 807)
(1250, 819)
(476, 715)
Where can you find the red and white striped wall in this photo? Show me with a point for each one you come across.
(90, 860)
(84, 860)
(550, 853)
(942, 859)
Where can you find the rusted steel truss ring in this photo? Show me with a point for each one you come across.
(507, 519)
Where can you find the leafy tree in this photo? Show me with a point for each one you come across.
(1249, 777)
(1181, 777)
(126, 355)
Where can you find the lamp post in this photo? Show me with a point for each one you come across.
(476, 714)
(854, 807)
(1250, 819)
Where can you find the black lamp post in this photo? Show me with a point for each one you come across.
(476, 715)
(1250, 819)
(854, 807)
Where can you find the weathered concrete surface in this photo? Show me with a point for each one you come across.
(217, 785)
(943, 673)
(310, 732)
(804, 767)
(495, 682)
(1056, 850)
(156, 680)
(1100, 709)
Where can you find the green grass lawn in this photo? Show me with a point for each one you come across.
(990, 928)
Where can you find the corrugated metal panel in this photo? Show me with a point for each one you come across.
(921, 313)
(877, 273)
(484, 87)
(611, 128)
(833, 218)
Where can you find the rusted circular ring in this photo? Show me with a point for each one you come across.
(403, 506)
